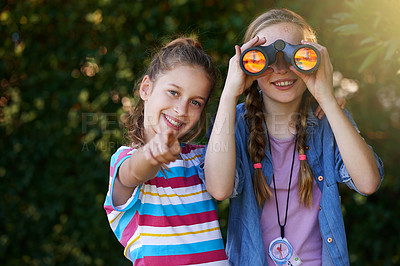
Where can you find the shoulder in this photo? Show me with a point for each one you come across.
(122, 153)
(241, 114)
(314, 122)
(124, 150)
(240, 108)
(241, 120)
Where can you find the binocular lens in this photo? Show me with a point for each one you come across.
(306, 58)
(254, 61)
(303, 57)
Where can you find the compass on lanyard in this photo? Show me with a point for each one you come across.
(280, 251)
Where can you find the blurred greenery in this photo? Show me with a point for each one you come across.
(67, 72)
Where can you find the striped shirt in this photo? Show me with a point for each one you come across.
(169, 220)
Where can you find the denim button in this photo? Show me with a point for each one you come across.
(329, 239)
(320, 178)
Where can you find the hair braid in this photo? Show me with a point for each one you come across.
(257, 141)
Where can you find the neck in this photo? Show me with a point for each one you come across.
(281, 117)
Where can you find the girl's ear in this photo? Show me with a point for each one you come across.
(145, 88)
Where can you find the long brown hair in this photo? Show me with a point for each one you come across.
(254, 106)
(181, 51)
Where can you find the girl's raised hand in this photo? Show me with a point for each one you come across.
(319, 83)
(237, 81)
(163, 148)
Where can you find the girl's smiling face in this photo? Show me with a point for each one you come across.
(282, 85)
(174, 101)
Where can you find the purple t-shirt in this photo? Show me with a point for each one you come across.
(302, 227)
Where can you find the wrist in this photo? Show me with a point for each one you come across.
(330, 105)
(325, 98)
(229, 95)
(142, 165)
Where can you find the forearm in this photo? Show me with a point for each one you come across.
(220, 159)
(358, 158)
(137, 169)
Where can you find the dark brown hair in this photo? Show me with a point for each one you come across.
(254, 106)
(181, 51)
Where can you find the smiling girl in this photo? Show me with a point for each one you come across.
(157, 205)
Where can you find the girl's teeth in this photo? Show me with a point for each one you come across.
(284, 83)
(173, 122)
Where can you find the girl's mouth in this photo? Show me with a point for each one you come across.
(285, 83)
(174, 123)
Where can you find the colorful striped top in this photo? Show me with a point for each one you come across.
(169, 220)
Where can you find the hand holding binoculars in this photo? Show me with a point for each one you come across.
(255, 60)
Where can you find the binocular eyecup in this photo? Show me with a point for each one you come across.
(255, 60)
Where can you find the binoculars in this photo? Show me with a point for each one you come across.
(255, 60)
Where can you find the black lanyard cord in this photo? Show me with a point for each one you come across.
(290, 181)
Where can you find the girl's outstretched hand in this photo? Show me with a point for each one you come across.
(237, 81)
(163, 148)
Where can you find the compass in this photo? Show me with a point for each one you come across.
(280, 250)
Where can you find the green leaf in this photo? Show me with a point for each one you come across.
(376, 22)
(393, 47)
(369, 39)
(364, 50)
(347, 29)
(371, 58)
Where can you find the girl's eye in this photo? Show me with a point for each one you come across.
(194, 102)
(174, 93)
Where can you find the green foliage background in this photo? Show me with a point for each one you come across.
(67, 72)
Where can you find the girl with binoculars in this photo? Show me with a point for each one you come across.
(282, 164)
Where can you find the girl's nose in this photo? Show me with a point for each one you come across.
(181, 107)
(280, 65)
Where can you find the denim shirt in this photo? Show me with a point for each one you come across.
(244, 238)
